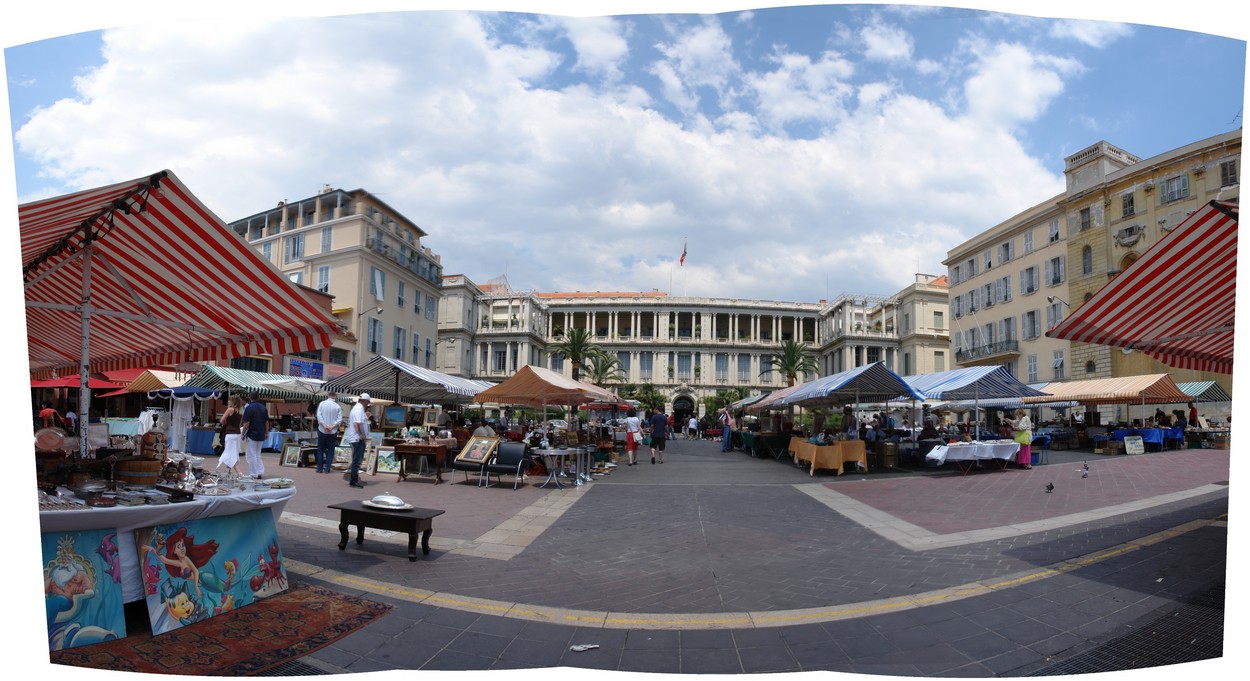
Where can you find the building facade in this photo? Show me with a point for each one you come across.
(351, 245)
(688, 347)
(1013, 282)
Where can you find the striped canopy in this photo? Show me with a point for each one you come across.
(1176, 302)
(773, 399)
(537, 387)
(1205, 391)
(866, 383)
(971, 383)
(399, 381)
(164, 281)
(1146, 389)
(240, 381)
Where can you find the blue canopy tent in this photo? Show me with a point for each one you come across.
(870, 382)
(972, 383)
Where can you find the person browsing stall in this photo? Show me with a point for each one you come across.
(357, 436)
(329, 416)
(1022, 427)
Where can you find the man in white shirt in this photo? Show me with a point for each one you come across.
(357, 436)
(329, 416)
(483, 430)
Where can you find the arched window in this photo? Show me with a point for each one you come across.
(1090, 367)
(1087, 260)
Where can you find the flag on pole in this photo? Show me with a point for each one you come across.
(682, 260)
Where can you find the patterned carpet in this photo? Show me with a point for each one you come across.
(242, 642)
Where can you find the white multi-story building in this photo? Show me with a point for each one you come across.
(689, 347)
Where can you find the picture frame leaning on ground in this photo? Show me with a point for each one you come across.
(478, 449)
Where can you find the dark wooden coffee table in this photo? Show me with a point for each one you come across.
(412, 521)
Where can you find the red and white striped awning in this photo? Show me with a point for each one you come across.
(1176, 302)
(159, 279)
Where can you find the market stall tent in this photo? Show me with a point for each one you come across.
(536, 386)
(978, 384)
(1205, 391)
(1176, 303)
(406, 383)
(1147, 389)
(227, 379)
(107, 286)
(870, 382)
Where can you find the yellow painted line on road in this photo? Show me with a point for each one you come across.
(778, 618)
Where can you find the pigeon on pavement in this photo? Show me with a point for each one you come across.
(1050, 487)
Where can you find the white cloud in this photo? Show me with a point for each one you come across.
(1012, 84)
(458, 132)
(1092, 33)
(600, 44)
(883, 42)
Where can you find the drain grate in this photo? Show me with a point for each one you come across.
(1194, 631)
(293, 668)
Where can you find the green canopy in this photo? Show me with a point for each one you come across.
(240, 381)
(1205, 391)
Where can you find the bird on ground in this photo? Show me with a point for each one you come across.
(1050, 487)
(1085, 465)
(1084, 474)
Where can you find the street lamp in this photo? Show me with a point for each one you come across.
(1052, 299)
(377, 309)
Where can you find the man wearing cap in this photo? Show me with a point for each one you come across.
(357, 435)
(329, 416)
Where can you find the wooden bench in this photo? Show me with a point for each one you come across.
(411, 521)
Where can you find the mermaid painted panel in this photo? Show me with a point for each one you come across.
(197, 569)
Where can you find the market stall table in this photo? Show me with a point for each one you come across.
(200, 440)
(554, 460)
(126, 519)
(433, 452)
(967, 455)
(834, 455)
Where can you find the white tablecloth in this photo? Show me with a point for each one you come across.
(126, 519)
(973, 451)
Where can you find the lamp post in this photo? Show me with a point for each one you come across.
(1052, 299)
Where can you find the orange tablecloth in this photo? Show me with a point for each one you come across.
(831, 456)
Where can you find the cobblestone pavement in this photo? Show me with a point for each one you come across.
(715, 562)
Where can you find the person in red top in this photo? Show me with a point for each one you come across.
(50, 417)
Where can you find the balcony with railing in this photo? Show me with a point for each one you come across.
(982, 352)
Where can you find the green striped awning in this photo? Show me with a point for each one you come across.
(239, 380)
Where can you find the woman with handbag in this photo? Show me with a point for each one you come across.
(633, 432)
(1022, 428)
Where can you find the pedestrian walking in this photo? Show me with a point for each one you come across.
(726, 429)
(231, 425)
(692, 428)
(357, 436)
(329, 416)
(660, 426)
(633, 431)
(254, 430)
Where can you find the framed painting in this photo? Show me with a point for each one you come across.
(431, 418)
(342, 458)
(478, 449)
(393, 417)
(290, 454)
(382, 460)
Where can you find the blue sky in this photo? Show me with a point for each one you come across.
(792, 148)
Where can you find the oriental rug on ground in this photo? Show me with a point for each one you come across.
(242, 642)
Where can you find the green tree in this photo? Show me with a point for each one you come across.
(724, 398)
(577, 347)
(649, 397)
(793, 359)
(603, 369)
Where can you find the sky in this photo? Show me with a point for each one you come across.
(794, 152)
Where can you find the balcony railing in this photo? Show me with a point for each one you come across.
(990, 350)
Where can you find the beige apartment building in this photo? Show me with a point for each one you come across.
(1013, 282)
(354, 247)
(689, 347)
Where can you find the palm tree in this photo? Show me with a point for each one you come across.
(793, 359)
(604, 369)
(649, 397)
(577, 347)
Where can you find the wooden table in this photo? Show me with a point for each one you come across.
(435, 453)
(412, 521)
